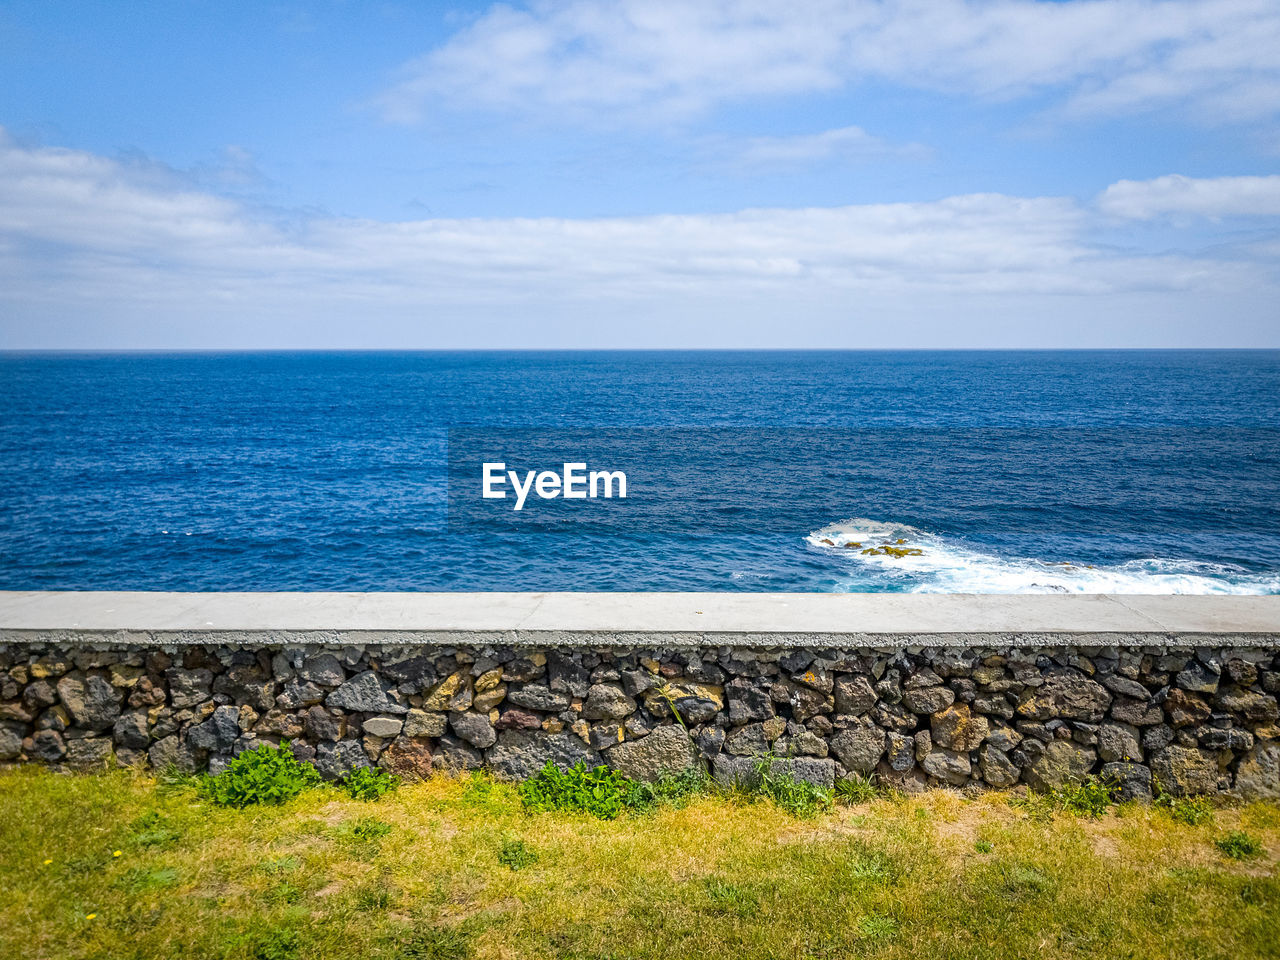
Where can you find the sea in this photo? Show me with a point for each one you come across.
(1142, 472)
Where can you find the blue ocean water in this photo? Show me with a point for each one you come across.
(1139, 472)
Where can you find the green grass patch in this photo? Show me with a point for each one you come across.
(516, 854)
(153, 831)
(1239, 845)
(278, 865)
(870, 866)
(672, 790)
(731, 897)
(269, 943)
(142, 880)
(367, 829)
(432, 943)
(877, 927)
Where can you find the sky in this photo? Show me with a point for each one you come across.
(643, 173)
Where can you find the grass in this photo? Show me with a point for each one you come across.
(267, 774)
(1091, 797)
(460, 869)
(855, 789)
(1239, 845)
(516, 854)
(369, 783)
(596, 791)
(1192, 811)
(797, 797)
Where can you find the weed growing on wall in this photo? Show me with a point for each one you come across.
(266, 774)
(663, 689)
(798, 797)
(1192, 811)
(605, 793)
(369, 783)
(599, 791)
(671, 790)
(272, 775)
(856, 788)
(1091, 797)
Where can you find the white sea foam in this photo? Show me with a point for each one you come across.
(946, 566)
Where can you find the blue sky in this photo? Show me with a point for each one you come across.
(649, 174)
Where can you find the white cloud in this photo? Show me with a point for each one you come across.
(101, 247)
(844, 144)
(1178, 195)
(602, 60)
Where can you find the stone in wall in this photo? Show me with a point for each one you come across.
(1258, 775)
(667, 750)
(1181, 720)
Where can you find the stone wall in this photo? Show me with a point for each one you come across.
(1192, 720)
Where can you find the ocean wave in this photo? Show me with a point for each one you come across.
(901, 557)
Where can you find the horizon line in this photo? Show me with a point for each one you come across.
(213, 351)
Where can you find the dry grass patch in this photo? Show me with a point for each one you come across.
(457, 869)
